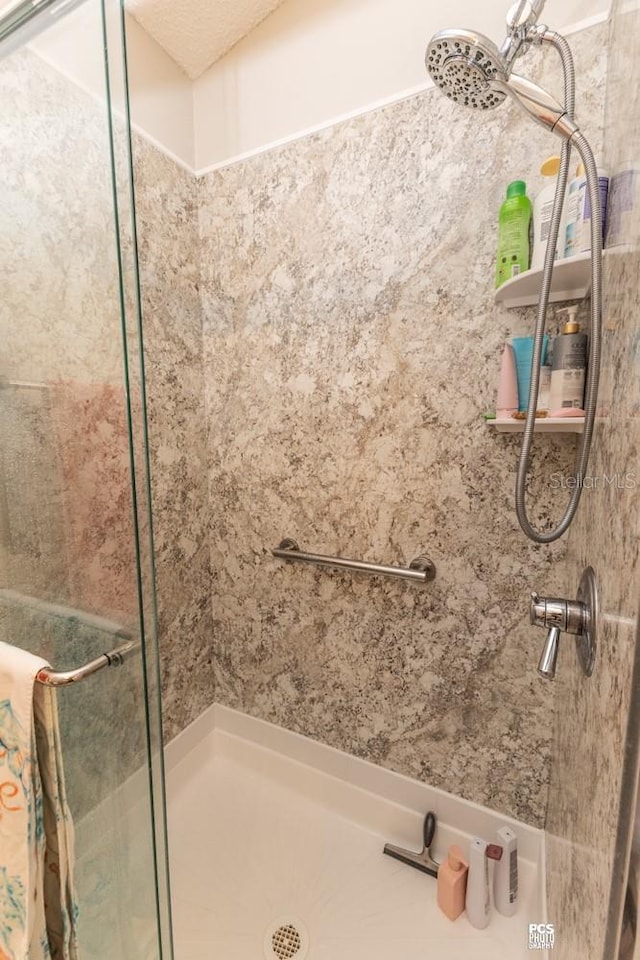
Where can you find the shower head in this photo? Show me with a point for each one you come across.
(463, 64)
(470, 70)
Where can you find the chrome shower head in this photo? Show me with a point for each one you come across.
(463, 64)
(470, 70)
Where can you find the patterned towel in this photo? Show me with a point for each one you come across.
(38, 913)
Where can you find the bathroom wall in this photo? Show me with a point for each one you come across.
(595, 750)
(314, 62)
(66, 522)
(71, 542)
(67, 547)
(68, 561)
(167, 222)
(351, 347)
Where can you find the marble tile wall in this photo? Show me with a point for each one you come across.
(45, 221)
(73, 433)
(172, 319)
(351, 347)
(594, 755)
(68, 528)
(67, 537)
(67, 531)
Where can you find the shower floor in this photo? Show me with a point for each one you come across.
(261, 842)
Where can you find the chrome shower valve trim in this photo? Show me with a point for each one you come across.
(567, 615)
(579, 618)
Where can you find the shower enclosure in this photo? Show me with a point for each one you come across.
(76, 550)
(76, 567)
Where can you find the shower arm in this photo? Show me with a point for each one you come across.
(542, 34)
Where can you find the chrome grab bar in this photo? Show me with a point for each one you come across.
(62, 678)
(421, 570)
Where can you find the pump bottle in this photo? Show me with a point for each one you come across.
(569, 369)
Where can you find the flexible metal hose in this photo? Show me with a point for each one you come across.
(593, 374)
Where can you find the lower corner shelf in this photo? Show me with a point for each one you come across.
(543, 425)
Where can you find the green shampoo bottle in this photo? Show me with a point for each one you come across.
(514, 233)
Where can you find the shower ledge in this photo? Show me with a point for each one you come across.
(268, 827)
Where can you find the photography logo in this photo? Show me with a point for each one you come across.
(541, 936)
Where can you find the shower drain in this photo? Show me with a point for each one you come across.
(286, 939)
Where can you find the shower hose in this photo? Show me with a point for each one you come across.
(593, 372)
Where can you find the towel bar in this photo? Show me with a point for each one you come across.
(62, 678)
(421, 570)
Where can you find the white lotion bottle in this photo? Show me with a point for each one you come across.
(542, 215)
(478, 902)
(505, 877)
(574, 214)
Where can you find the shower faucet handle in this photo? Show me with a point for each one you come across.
(575, 617)
(549, 658)
(558, 616)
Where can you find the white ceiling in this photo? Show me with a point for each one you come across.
(196, 33)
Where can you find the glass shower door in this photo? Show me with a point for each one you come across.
(76, 575)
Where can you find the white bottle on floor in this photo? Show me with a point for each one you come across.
(478, 902)
(505, 877)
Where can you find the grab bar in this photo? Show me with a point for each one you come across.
(62, 678)
(421, 570)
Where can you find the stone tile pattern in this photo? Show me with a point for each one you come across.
(62, 282)
(56, 231)
(351, 347)
(66, 521)
(66, 518)
(172, 318)
(585, 868)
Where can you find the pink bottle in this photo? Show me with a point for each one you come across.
(507, 401)
(452, 883)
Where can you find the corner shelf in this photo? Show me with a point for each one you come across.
(543, 425)
(571, 281)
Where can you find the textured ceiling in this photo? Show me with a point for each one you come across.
(196, 33)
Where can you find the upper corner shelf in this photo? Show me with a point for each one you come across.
(571, 281)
